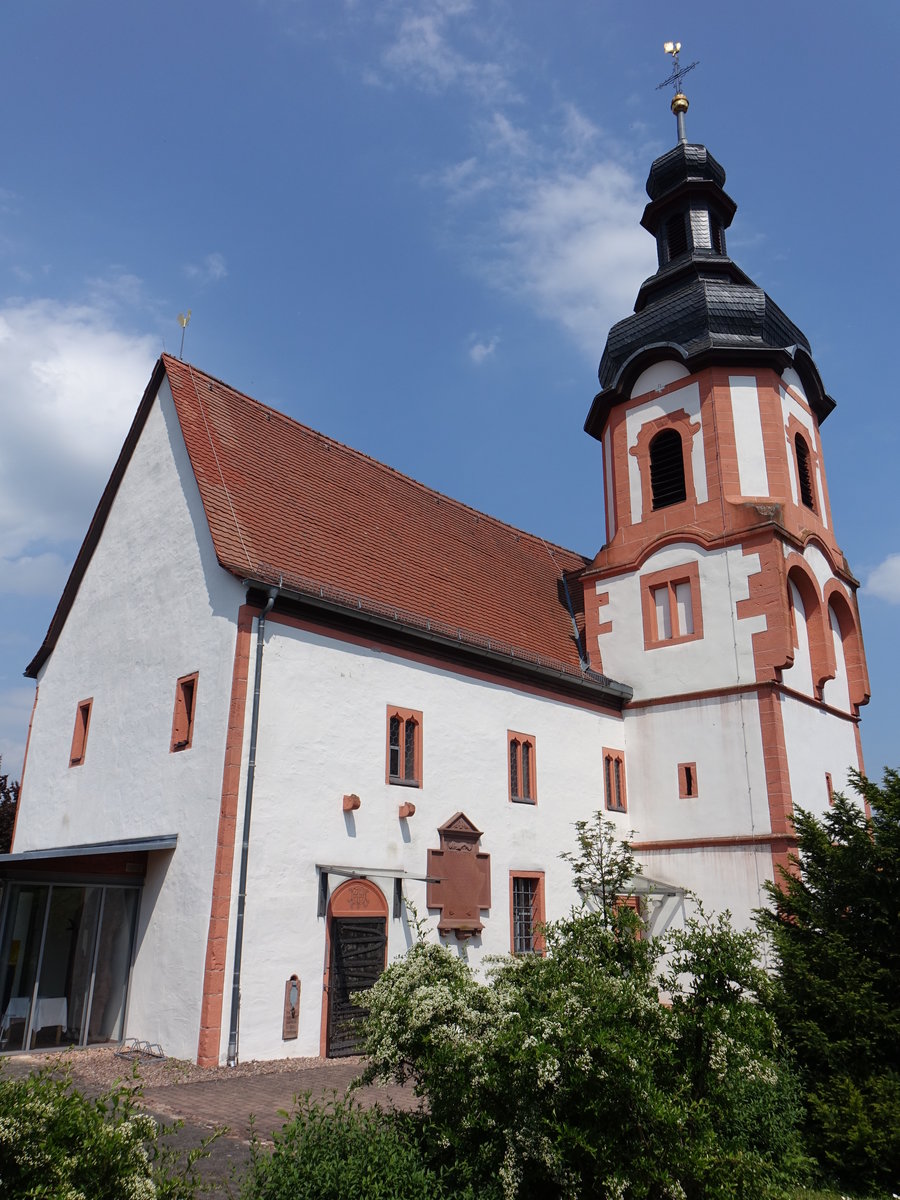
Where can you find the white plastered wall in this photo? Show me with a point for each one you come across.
(721, 736)
(723, 656)
(153, 606)
(817, 741)
(723, 877)
(748, 436)
(322, 735)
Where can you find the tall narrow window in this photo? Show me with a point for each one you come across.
(522, 768)
(614, 780)
(526, 912)
(79, 737)
(667, 469)
(804, 474)
(829, 787)
(183, 718)
(687, 780)
(404, 747)
(676, 236)
(718, 236)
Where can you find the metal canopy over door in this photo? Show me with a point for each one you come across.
(357, 936)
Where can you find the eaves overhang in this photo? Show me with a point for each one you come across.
(396, 624)
(779, 358)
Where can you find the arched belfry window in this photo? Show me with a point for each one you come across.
(804, 474)
(667, 469)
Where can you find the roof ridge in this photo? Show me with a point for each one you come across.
(351, 450)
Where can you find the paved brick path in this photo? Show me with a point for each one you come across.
(231, 1102)
(228, 1103)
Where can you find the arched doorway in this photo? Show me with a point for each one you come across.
(355, 956)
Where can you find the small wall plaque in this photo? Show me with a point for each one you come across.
(290, 1023)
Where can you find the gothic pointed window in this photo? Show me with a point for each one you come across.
(404, 748)
(804, 474)
(667, 469)
(522, 782)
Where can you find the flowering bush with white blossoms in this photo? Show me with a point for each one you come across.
(565, 1076)
(58, 1144)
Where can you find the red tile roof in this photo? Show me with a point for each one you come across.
(283, 500)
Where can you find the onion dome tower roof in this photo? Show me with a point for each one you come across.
(699, 307)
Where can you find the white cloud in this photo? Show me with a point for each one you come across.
(33, 574)
(422, 54)
(211, 270)
(570, 244)
(480, 350)
(70, 381)
(884, 580)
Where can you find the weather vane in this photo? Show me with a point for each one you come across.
(679, 100)
(184, 319)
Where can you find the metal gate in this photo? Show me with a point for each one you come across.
(357, 960)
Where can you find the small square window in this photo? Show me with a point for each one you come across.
(526, 889)
(80, 734)
(185, 707)
(404, 747)
(614, 780)
(687, 780)
(522, 768)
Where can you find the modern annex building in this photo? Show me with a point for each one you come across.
(288, 688)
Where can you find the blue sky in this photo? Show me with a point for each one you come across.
(410, 224)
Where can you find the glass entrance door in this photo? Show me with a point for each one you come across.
(65, 959)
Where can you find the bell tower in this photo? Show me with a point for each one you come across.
(721, 593)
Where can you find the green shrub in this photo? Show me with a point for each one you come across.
(565, 1076)
(833, 928)
(336, 1150)
(57, 1144)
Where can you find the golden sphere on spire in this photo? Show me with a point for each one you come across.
(679, 103)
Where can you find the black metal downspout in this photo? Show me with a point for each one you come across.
(245, 845)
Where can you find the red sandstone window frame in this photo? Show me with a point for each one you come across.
(614, 791)
(80, 732)
(521, 761)
(519, 931)
(408, 761)
(185, 712)
(670, 579)
(688, 788)
(829, 787)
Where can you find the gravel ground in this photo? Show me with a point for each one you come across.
(99, 1068)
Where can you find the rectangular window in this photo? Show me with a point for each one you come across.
(185, 707)
(522, 768)
(614, 780)
(687, 780)
(829, 787)
(80, 735)
(526, 892)
(670, 601)
(404, 747)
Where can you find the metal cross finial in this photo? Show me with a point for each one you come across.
(679, 100)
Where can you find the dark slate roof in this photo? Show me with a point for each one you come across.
(701, 307)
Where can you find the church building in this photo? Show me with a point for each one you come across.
(289, 691)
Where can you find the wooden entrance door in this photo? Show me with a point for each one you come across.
(357, 953)
(357, 960)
